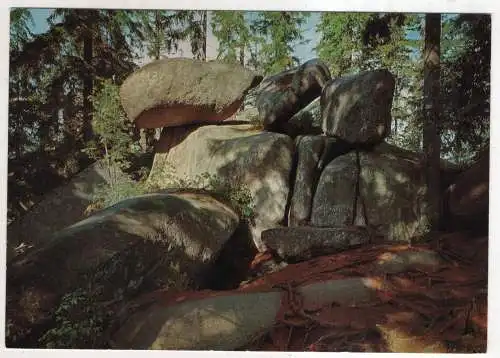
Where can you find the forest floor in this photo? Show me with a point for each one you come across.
(437, 308)
(443, 309)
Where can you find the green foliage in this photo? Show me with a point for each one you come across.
(194, 27)
(354, 42)
(114, 145)
(340, 44)
(106, 195)
(50, 76)
(78, 322)
(20, 20)
(262, 40)
(232, 31)
(279, 31)
(111, 125)
(237, 195)
(465, 85)
(162, 31)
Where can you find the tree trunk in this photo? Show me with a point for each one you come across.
(158, 34)
(87, 86)
(242, 56)
(18, 125)
(204, 35)
(242, 62)
(431, 139)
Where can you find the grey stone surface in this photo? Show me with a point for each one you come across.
(302, 243)
(357, 108)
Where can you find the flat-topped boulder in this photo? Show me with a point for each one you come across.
(178, 91)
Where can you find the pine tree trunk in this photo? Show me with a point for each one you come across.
(431, 139)
(87, 86)
(242, 56)
(204, 35)
(158, 35)
(18, 126)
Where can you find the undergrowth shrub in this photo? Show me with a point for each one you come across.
(78, 323)
(237, 195)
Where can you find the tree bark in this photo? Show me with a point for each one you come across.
(158, 34)
(431, 139)
(204, 35)
(18, 126)
(87, 84)
(242, 62)
(242, 56)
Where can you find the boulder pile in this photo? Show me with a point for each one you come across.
(313, 178)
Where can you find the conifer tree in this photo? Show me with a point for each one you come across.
(277, 34)
(232, 30)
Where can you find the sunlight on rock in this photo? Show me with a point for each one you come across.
(225, 323)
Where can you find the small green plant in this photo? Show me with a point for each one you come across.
(106, 195)
(113, 146)
(256, 123)
(238, 195)
(78, 323)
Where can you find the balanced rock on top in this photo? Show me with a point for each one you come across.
(357, 108)
(179, 91)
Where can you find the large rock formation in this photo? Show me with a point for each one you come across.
(282, 95)
(150, 241)
(308, 153)
(178, 91)
(379, 189)
(224, 192)
(312, 155)
(58, 209)
(236, 154)
(357, 108)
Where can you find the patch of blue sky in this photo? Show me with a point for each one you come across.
(305, 50)
(40, 23)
